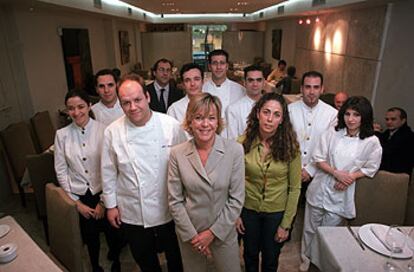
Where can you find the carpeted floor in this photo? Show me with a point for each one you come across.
(289, 260)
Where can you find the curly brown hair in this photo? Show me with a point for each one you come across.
(283, 144)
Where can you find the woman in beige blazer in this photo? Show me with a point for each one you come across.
(206, 189)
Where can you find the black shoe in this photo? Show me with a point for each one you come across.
(97, 269)
(110, 256)
(116, 266)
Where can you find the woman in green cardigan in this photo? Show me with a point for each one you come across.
(273, 180)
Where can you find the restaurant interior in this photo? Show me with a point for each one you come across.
(47, 47)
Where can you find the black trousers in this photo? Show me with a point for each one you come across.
(145, 242)
(91, 229)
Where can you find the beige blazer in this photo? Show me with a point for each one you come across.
(209, 197)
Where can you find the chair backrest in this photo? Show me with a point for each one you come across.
(43, 129)
(328, 98)
(295, 86)
(41, 171)
(381, 199)
(18, 143)
(409, 215)
(64, 231)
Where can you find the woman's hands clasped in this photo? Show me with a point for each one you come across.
(202, 241)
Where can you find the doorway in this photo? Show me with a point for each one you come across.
(77, 58)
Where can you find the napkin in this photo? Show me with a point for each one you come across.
(380, 233)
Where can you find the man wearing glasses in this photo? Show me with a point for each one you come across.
(162, 91)
(237, 113)
(219, 85)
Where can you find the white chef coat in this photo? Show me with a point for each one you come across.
(309, 124)
(134, 168)
(107, 115)
(346, 153)
(78, 158)
(178, 109)
(236, 116)
(228, 92)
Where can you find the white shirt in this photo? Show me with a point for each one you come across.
(158, 88)
(78, 158)
(228, 92)
(134, 168)
(107, 115)
(343, 153)
(236, 116)
(178, 109)
(309, 124)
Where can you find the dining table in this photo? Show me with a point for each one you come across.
(30, 257)
(336, 249)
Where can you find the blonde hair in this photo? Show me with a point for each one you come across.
(203, 102)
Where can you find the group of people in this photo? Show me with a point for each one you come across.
(224, 161)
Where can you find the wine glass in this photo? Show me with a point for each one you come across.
(395, 243)
(410, 244)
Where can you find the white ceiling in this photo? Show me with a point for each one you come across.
(204, 6)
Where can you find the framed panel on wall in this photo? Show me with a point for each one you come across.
(276, 43)
(124, 46)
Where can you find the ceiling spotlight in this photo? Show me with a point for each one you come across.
(308, 21)
(300, 21)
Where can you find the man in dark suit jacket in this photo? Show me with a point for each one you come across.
(397, 143)
(162, 91)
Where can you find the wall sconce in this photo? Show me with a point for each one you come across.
(308, 21)
(317, 20)
(300, 22)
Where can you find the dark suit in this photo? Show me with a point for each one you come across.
(397, 151)
(174, 94)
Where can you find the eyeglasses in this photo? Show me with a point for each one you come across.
(250, 80)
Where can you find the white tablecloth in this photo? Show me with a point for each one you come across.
(336, 250)
(29, 256)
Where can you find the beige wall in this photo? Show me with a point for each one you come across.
(42, 58)
(288, 50)
(395, 81)
(347, 51)
(175, 46)
(243, 46)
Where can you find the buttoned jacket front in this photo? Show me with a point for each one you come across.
(134, 180)
(209, 197)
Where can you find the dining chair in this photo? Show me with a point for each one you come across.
(381, 199)
(43, 129)
(18, 144)
(409, 214)
(64, 230)
(41, 171)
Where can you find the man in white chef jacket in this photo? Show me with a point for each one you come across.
(134, 173)
(219, 85)
(237, 113)
(108, 108)
(310, 117)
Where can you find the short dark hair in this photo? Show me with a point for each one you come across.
(218, 52)
(82, 95)
(188, 66)
(105, 72)
(253, 67)
(164, 60)
(132, 77)
(281, 62)
(361, 105)
(403, 113)
(78, 93)
(291, 71)
(312, 74)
